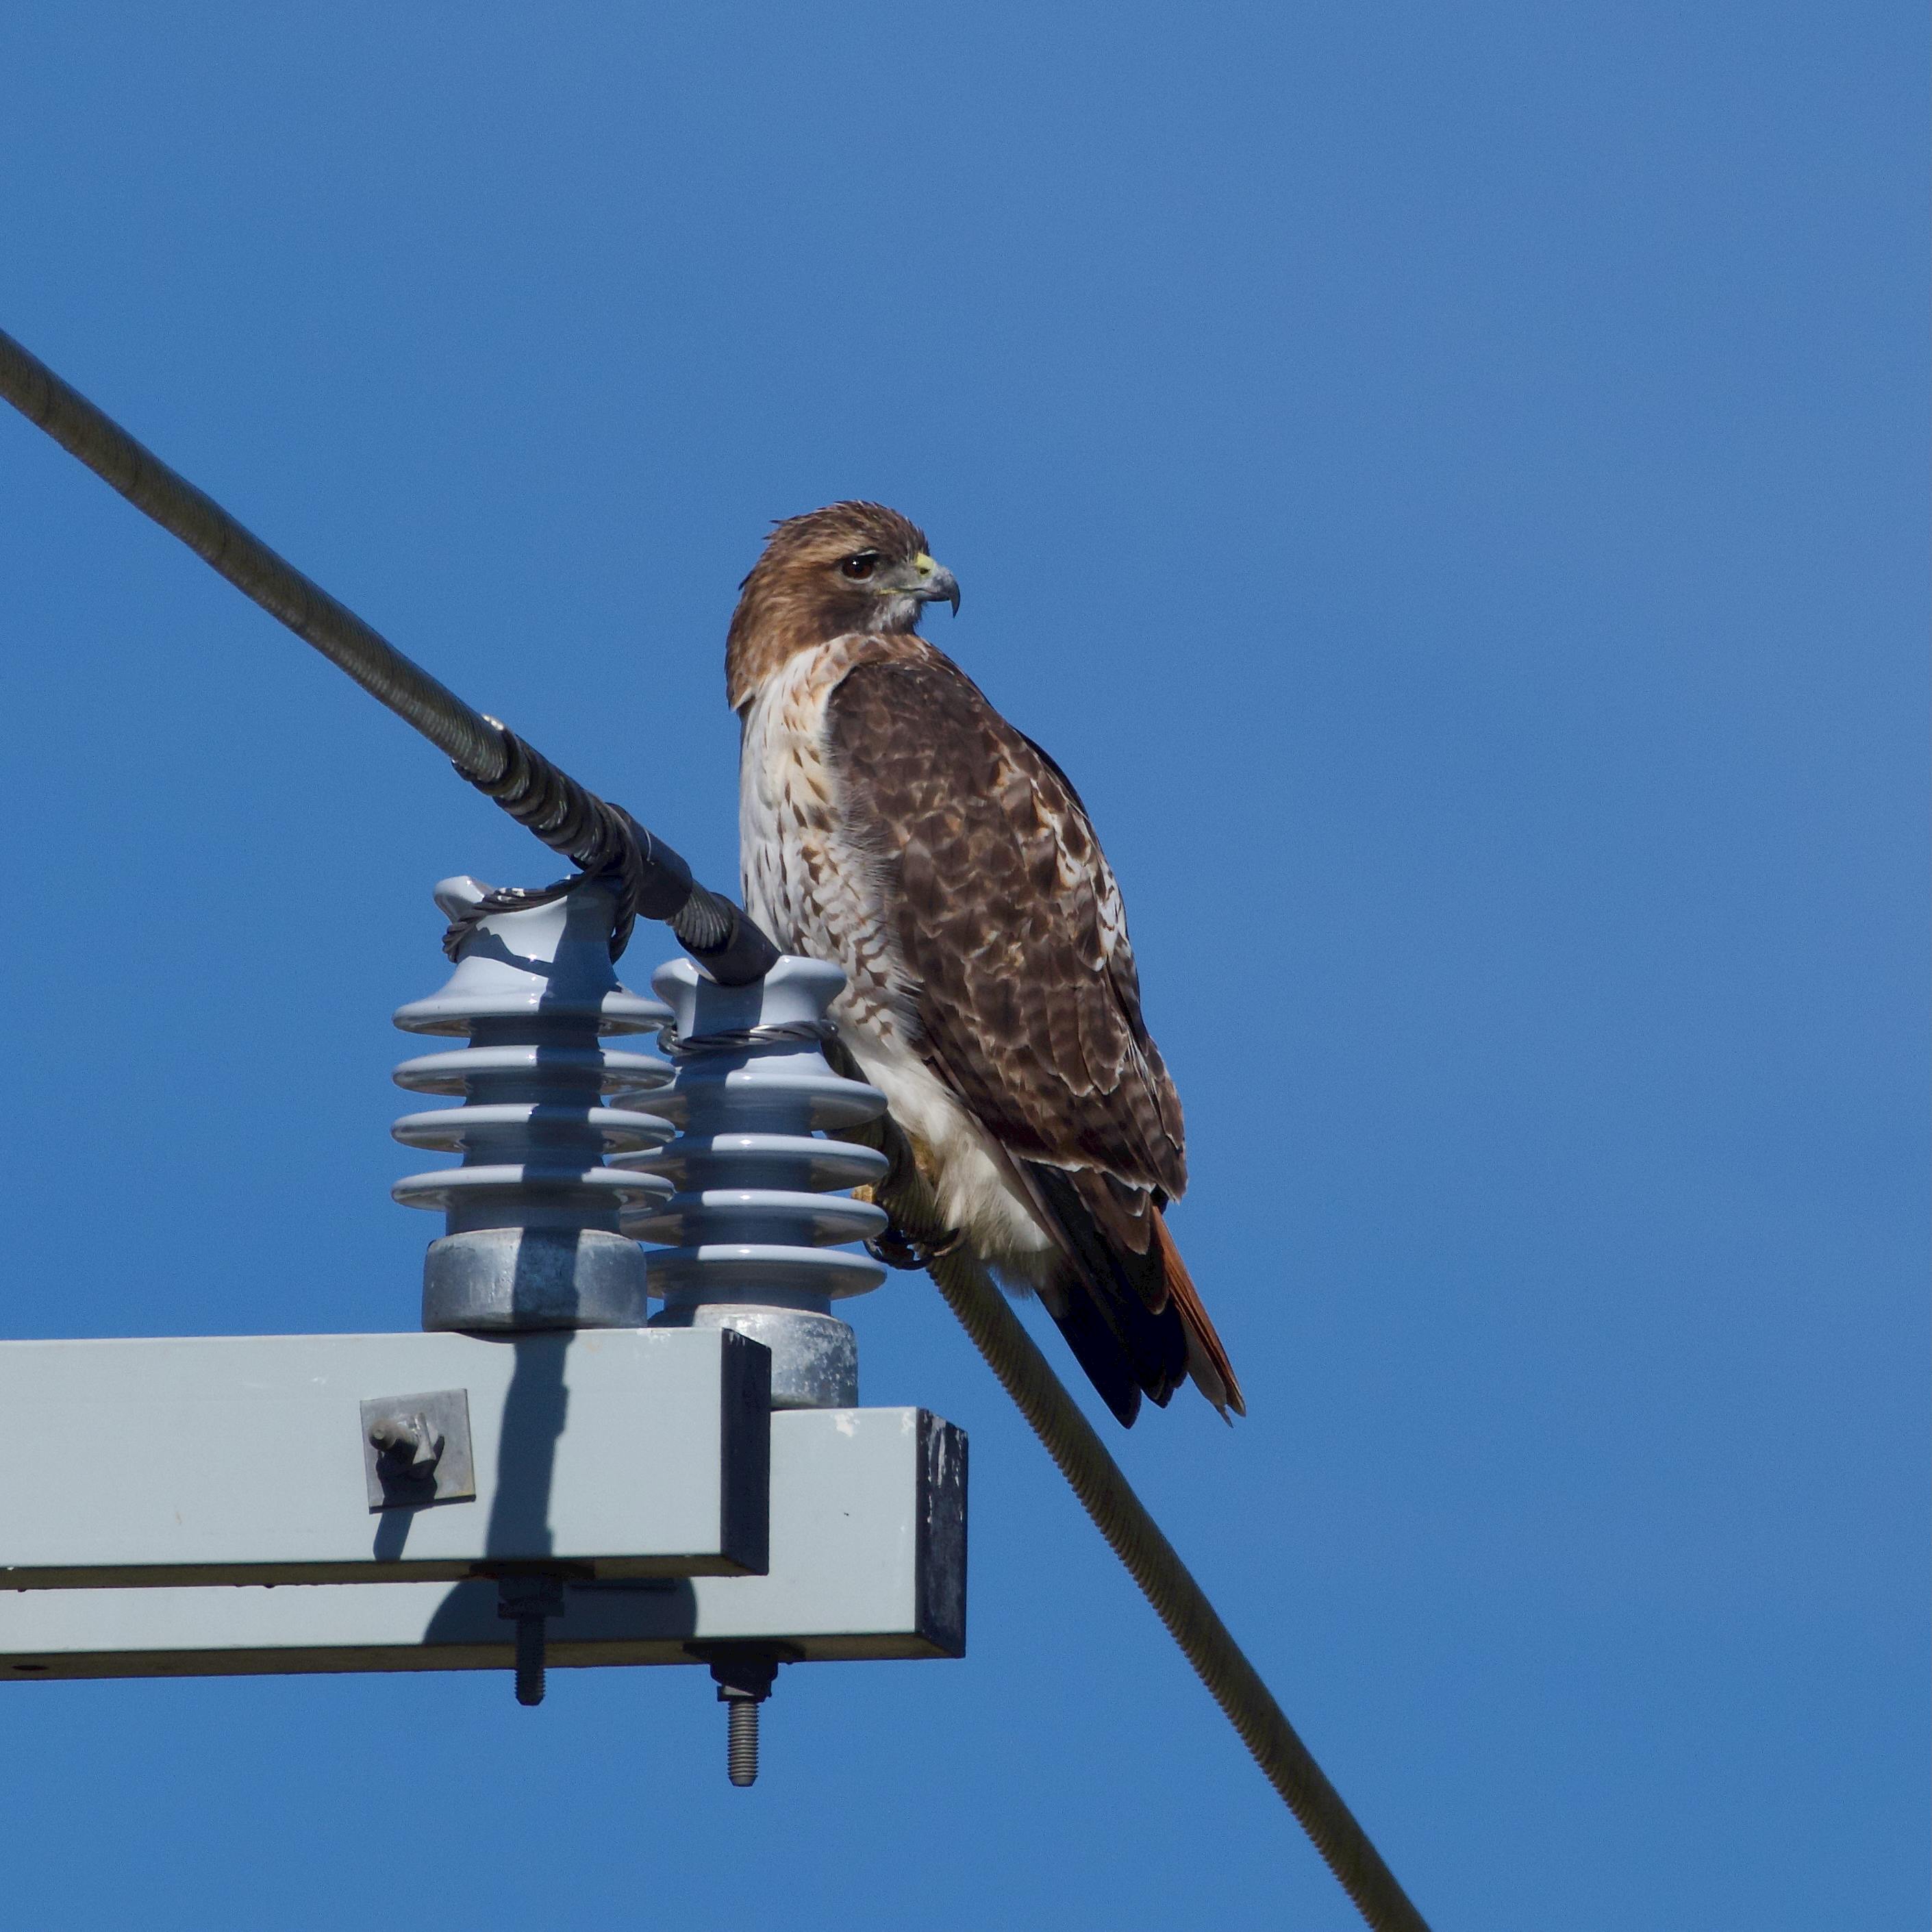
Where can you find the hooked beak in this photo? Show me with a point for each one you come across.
(936, 584)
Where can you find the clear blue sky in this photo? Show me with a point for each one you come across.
(1448, 483)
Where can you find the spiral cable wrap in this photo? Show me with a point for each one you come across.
(608, 843)
(736, 1039)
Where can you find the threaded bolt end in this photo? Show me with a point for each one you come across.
(530, 1665)
(741, 1756)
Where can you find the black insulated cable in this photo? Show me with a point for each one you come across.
(603, 839)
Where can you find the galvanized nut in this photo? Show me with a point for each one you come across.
(392, 1435)
(407, 1440)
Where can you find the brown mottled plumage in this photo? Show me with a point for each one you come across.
(893, 821)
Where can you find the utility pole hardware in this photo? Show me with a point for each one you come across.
(549, 1474)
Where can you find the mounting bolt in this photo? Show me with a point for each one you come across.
(741, 1763)
(407, 1443)
(528, 1601)
(530, 1660)
(743, 1673)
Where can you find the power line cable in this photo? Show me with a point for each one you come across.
(1137, 1540)
(603, 838)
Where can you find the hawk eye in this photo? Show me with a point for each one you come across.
(862, 566)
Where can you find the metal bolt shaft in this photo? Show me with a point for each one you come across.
(742, 1754)
(530, 1668)
(743, 1673)
(527, 1600)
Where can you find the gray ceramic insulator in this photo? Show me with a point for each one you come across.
(751, 1234)
(534, 1239)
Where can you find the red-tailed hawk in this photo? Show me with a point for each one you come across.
(893, 822)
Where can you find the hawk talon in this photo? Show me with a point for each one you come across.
(898, 1249)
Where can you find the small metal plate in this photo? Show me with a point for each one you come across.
(428, 1457)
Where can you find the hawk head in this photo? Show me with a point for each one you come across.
(850, 567)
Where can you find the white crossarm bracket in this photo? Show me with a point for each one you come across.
(312, 1459)
(867, 1560)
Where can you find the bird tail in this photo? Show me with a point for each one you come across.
(1130, 1313)
(1208, 1363)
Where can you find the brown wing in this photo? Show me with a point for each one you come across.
(1011, 927)
(1022, 984)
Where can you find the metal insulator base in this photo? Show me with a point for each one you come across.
(493, 1279)
(815, 1357)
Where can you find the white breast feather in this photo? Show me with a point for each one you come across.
(817, 893)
